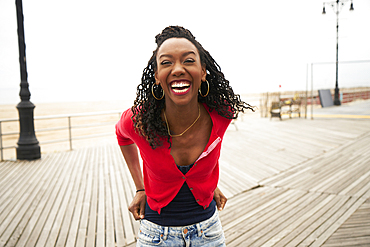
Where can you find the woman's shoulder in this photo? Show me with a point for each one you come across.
(125, 129)
(125, 122)
(126, 114)
(217, 120)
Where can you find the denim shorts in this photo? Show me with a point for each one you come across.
(206, 233)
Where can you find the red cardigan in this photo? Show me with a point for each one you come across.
(162, 178)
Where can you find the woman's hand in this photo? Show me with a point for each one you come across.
(137, 206)
(220, 199)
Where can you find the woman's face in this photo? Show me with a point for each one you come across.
(179, 70)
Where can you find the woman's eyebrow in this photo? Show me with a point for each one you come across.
(183, 55)
(165, 55)
(188, 53)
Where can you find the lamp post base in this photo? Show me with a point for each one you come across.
(336, 97)
(28, 145)
(29, 152)
(337, 102)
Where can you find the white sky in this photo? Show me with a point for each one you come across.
(88, 50)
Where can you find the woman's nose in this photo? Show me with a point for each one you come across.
(178, 69)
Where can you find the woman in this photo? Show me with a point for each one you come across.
(182, 110)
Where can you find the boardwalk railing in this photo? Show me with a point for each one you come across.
(13, 135)
(310, 99)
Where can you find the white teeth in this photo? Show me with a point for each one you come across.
(179, 90)
(180, 84)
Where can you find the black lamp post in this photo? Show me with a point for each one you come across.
(337, 5)
(28, 145)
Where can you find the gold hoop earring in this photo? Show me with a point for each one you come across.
(200, 91)
(154, 94)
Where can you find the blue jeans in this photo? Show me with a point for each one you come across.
(205, 233)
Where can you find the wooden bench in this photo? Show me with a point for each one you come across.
(285, 106)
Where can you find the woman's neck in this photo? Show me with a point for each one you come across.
(181, 117)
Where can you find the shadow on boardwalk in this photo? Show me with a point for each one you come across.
(290, 183)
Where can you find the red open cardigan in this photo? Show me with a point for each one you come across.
(162, 178)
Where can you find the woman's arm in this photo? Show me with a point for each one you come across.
(137, 206)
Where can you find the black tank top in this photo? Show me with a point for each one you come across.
(183, 210)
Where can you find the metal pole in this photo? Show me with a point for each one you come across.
(1, 143)
(305, 111)
(311, 91)
(70, 133)
(28, 145)
(266, 104)
(336, 90)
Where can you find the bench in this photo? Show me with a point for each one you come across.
(285, 106)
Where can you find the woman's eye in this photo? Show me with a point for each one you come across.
(165, 62)
(189, 60)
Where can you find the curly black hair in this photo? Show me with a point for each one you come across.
(147, 109)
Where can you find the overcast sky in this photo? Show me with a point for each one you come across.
(87, 50)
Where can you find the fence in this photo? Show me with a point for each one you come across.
(92, 121)
(311, 99)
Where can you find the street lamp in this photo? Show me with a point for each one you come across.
(337, 6)
(28, 145)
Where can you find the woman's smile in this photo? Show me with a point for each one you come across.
(180, 87)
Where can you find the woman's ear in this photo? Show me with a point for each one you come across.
(204, 73)
(157, 82)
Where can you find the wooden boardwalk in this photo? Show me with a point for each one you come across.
(305, 204)
(295, 182)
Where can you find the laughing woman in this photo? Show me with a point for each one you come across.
(183, 107)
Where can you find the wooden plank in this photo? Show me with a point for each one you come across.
(358, 242)
(250, 200)
(118, 224)
(361, 174)
(338, 222)
(22, 229)
(304, 166)
(233, 180)
(237, 219)
(77, 206)
(84, 220)
(44, 219)
(131, 226)
(61, 204)
(254, 150)
(13, 193)
(318, 173)
(299, 219)
(294, 237)
(259, 219)
(328, 221)
(353, 166)
(323, 175)
(100, 227)
(258, 170)
(71, 205)
(68, 231)
(11, 172)
(91, 228)
(364, 191)
(278, 196)
(29, 220)
(128, 231)
(20, 205)
(109, 218)
(258, 235)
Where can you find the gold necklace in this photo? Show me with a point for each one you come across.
(168, 128)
